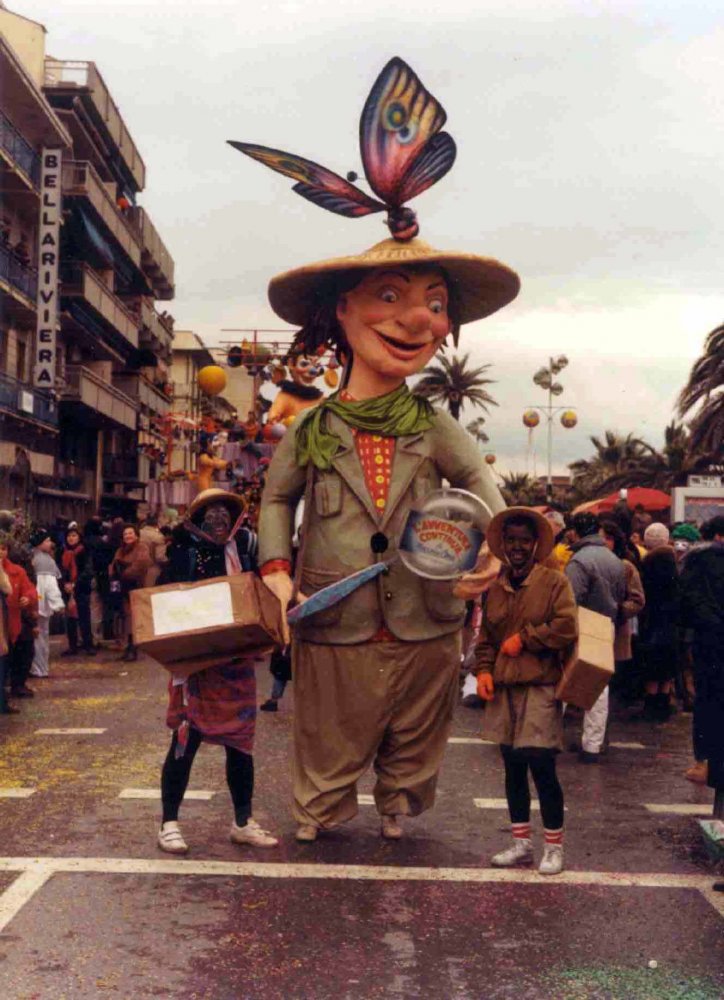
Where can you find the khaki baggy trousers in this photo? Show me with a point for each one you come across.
(387, 702)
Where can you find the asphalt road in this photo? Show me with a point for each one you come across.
(90, 908)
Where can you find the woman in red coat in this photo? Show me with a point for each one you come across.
(22, 618)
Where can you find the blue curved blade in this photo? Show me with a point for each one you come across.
(331, 595)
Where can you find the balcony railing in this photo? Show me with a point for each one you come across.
(19, 149)
(158, 261)
(81, 180)
(145, 392)
(66, 75)
(20, 399)
(20, 276)
(84, 386)
(80, 280)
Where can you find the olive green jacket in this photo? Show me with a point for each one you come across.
(343, 520)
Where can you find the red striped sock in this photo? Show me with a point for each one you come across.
(553, 836)
(521, 831)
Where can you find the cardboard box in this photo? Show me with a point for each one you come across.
(189, 627)
(590, 667)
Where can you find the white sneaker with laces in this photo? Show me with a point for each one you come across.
(170, 839)
(552, 861)
(251, 833)
(520, 853)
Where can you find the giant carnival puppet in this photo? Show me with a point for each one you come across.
(376, 674)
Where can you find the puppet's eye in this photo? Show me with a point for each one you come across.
(437, 306)
(389, 295)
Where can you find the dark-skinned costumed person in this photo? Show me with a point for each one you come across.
(216, 705)
(375, 675)
(529, 625)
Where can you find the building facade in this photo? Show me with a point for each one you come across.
(92, 441)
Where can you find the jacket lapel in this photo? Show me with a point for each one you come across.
(347, 464)
(410, 452)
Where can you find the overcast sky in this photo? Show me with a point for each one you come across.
(590, 145)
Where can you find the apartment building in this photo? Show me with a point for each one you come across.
(112, 372)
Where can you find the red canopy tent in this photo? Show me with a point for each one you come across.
(651, 500)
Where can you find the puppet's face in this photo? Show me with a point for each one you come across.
(304, 370)
(396, 320)
(217, 522)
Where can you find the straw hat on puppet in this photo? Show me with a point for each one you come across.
(404, 152)
(494, 533)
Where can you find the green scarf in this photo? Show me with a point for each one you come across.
(394, 415)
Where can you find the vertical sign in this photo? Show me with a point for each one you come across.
(48, 260)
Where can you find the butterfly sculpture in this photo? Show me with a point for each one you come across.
(403, 153)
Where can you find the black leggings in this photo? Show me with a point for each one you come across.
(176, 772)
(542, 766)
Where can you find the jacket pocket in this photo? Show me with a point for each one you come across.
(328, 496)
(441, 603)
(312, 581)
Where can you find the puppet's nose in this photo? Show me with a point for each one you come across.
(416, 320)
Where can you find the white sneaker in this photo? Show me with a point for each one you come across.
(170, 839)
(552, 861)
(520, 853)
(251, 833)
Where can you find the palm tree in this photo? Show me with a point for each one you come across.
(614, 455)
(475, 429)
(450, 381)
(662, 470)
(706, 387)
(520, 489)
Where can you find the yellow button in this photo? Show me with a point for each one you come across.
(379, 459)
(376, 437)
(380, 480)
(380, 502)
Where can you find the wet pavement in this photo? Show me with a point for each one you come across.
(90, 908)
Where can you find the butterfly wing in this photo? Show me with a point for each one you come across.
(400, 118)
(315, 183)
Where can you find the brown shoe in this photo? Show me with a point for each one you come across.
(698, 773)
(306, 833)
(391, 829)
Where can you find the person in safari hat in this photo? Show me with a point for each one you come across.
(529, 625)
(375, 675)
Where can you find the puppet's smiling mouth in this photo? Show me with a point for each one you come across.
(401, 345)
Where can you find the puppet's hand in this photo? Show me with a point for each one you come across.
(281, 585)
(472, 585)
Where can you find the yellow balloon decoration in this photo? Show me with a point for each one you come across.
(531, 418)
(569, 419)
(490, 459)
(212, 380)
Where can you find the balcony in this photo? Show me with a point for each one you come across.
(80, 281)
(102, 402)
(157, 261)
(19, 282)
(155, 334)
(80, 180)
(144, 392)
(21, 155)
(21, 401)
(121, 469)
(82, 79)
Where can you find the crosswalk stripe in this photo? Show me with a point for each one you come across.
(69, 732)
(503, 804)
(365, 800)
(628, 746)
(17, 793)
(475, 740)
(155, 793)
(679, 809)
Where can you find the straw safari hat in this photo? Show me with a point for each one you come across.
(483, 284)
(546, 538)
(232, 500)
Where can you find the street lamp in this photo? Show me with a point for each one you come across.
(546, 379)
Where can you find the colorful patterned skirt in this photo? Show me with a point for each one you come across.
(220, 703)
